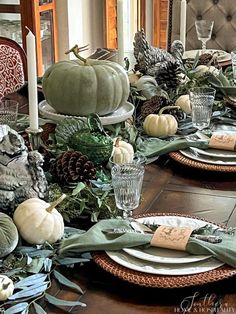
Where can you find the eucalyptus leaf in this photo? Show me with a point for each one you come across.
(71, 230)
(47, 264)
(66, 217)
(196, 60)
(41, 253)
(60, 302)
(87, 255)
(13, 272)
(17, 308)
(36, 265)
(71, 260)
(94, 216)
(30, 280)
(29, 260)
(66, 282)
(82, 206)
(33, 252)
(99, 201)
(29, 291)
(38, 308)
(80, 186)
(24, 249)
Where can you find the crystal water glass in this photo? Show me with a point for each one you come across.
(233, 58)
(201, 101)
(127, 182)
(9, 112)
(204, 31)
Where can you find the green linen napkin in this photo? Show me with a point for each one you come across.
(151, 147)
(96, 240)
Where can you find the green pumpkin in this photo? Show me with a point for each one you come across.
(8, 235)
(82, 87)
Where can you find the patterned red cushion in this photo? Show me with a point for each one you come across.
(11, 70)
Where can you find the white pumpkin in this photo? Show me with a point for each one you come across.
(160, 125)
(184, 103)
(38, 221)
(201, 69)
(123, 152)
(6, 287)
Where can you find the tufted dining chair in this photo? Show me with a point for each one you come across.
(222, 12)
(13, 66)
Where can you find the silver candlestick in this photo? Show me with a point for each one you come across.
(34, 137)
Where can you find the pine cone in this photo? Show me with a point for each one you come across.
(153, 105)
(207, 59)
(177, 113)
(169, 75)
(73, 167)
(48, 128)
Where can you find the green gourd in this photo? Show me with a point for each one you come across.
(83, 86)
(92, 141)
(8, 235)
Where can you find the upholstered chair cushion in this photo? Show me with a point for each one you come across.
(12, 75)
(222, 12)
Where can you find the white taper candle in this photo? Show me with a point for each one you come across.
(183, 9)
(120, 32)
(32, 80)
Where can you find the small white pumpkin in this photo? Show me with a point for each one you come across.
(159, 125)
(38, 221)
(184, 103)
(6, 287)
(123, 152)
(201, 69)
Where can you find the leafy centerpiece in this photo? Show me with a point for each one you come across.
(79, 153)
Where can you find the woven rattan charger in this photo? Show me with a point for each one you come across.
(160, 281)
(177, 156)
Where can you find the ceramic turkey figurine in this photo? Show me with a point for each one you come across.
(21, 172)
(156, 62)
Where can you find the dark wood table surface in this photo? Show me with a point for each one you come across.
(169, 187)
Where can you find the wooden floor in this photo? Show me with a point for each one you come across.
(168, 188)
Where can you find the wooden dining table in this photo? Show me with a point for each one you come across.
(169, 187)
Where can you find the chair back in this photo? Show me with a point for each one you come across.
(222, 12)
(13, 66)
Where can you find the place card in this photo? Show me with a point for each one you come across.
(223, 141)
(169, 237)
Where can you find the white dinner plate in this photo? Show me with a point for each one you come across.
(119, 115)
(192, 154)
(160, 255)
(131, 262)
(221, 54)
(224, 154)
(176, 221)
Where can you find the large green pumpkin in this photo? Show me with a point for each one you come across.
(8, 235)
(82, 87)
